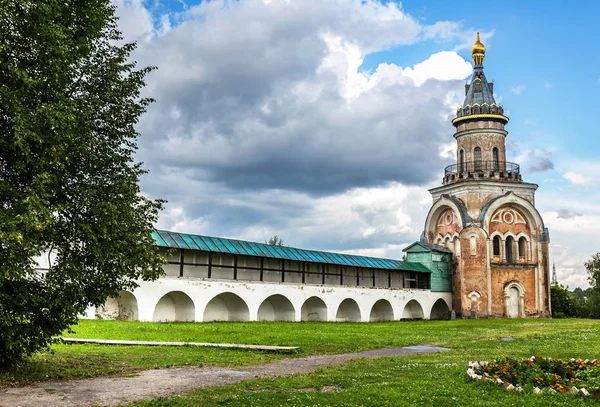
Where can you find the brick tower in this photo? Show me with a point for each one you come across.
(486, 215)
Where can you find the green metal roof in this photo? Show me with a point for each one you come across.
(164, 238)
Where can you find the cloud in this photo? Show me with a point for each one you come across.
(135, 21)
(360, 219)
(282, 104)
(567, 214)
(548, 85)
(538, 160)
(577, 179)
(517, 90)
(444, 31)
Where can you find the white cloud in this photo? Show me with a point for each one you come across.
(577, 179)
(443, 66)
(517, 90)
(135, 21)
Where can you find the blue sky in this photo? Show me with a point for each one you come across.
(325, 122)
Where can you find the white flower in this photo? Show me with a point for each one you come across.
(537, 390)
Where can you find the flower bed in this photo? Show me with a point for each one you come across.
(539, 374)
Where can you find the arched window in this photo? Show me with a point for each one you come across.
(509, 250)
(495, 159)
(461, 160)
(496, 246)
(477, 154)
(522, 247)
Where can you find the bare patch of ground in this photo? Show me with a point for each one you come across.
(151, 384)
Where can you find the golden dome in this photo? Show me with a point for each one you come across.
(478, 51)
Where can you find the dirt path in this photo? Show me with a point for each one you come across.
(154, 383)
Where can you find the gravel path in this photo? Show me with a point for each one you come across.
(154, 383)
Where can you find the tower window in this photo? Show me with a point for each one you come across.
(461, 160)
(495, 159)
(477, 154)
(522, 247)
(496, 244)
(509, 250)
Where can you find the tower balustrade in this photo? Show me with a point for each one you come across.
(477, 170)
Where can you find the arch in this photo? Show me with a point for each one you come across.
(477, 158)
(174, 306)
(276, 308)
(381, 311)
(473, 298)
(495, 159)
(440, 206)
(522, 247)
(508, 251)
(447, 242)
(412, 310)
(348, 311)
(514, 297)
(440, 310)
(496, 245)
(123, 307)
(226, 307)
(533, 216)
(313, 309)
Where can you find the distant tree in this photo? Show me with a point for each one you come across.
(69, 100)
(275, 241)
(562, 303)
(593, 293)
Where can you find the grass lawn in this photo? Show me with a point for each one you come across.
(437, 379)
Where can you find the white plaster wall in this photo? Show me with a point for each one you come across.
(202, 291)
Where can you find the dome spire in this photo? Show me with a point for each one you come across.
(478, 51)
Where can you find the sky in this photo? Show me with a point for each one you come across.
(325, 122)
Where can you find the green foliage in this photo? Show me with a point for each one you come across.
(69, 99)
(562, 303)
(593, 269)
(275, 241)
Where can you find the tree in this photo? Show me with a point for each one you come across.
(562, 303)
(593, 294)
(69, 99)
(275, 241)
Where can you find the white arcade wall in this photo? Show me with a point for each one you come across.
(192, 299)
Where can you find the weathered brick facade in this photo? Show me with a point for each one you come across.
(486, 215)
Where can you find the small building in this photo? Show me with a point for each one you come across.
(218, 279)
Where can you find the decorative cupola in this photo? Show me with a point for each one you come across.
(478, 52)
(479, 101)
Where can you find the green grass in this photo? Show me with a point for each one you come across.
(437, 379)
